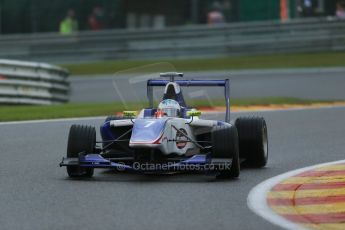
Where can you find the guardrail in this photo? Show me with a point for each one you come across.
(32, 83)
(308, 35)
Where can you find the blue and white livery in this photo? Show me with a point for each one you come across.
(170, 138)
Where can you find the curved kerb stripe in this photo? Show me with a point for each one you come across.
(311, 197)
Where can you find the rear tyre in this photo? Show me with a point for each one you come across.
(225, 146)
(253, 141)
(81, 139)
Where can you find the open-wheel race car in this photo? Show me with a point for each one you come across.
(169, 138)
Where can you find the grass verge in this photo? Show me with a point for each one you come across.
(18, 113)
(324, 59)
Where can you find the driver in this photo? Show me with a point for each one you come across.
(168, 107)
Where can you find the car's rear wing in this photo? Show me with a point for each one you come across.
(190, 83)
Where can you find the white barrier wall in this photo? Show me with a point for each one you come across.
(32, 83)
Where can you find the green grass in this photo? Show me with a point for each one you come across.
(324, 59)
(17, 113)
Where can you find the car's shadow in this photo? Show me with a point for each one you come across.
(125, 177)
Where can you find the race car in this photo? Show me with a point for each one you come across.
(171, 137)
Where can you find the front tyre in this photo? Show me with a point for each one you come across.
(225, 146)
(81, 139)
(253, 140)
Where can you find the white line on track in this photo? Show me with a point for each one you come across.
(257, 198)
(50, 120)
(103, 117)
(225, 73)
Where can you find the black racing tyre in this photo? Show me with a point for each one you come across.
(113, 118)
(80, 139)
(225, 145)
(253, 140)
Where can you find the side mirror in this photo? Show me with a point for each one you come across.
(193, 113)
(130, 114)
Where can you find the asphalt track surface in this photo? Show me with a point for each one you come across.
(36, 194)
(327, 83)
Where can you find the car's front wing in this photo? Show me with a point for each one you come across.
(195, 163)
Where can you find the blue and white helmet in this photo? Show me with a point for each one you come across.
(171, 108)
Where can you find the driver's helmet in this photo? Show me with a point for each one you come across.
(170, 108)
